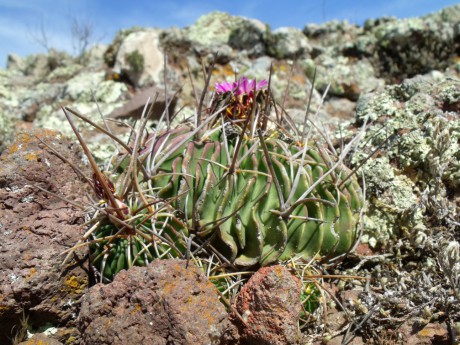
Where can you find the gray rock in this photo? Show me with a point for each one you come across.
(420, 123)
(348, 77)
(417, 45)
(110, 55)
(163, 303)
(15, 62)
(336, 38)
(63, 73)
(81, 88)
(288, 43)
(217, 31)
(140, 57)
(94, 57)
(6, 129)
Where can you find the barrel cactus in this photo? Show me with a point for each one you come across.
(234, 184)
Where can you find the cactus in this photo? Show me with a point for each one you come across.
(235, 184)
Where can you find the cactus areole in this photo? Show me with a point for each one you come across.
(253, 194)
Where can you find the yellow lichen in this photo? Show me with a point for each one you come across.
(136, 309)
(32, 272)
(73, 284)
(32, 156)
(13, 148)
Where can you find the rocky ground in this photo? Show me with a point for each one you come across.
(398, 78)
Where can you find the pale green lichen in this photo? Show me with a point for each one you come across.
(347, 77)
(417, 137)
(64, 72)
(392, 204)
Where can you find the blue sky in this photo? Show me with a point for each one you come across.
(21, 21)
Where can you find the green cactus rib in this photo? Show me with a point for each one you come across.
(240, 211)
(242, 208)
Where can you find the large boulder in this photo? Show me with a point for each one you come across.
(348, 77)
(288, 43)
(408, 47)
(219, 32)
(140, 57)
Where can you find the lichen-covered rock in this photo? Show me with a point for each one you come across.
(287, 43)
(270, 305)
(84, 86)
(15, 62)
(40, 339)
(416, 125)
(63, 73)
(417, 45)
(36, 228)
(163, 303)
(94, 57)
(140, 57)
(347, 77)
(6, 129)
(332, 33)
(31, 102)
(217, 30)
(110, 54)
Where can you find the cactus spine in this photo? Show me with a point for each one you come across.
(230, 185)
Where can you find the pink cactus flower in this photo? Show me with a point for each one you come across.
(241, 86)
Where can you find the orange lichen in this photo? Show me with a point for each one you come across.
(32, 156)
(32, 272)
(137, 308)
(36, 342)
(13, 148)
(73, 284)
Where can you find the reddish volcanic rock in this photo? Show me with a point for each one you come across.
(36, 228)
(270, 306)
(163, 303)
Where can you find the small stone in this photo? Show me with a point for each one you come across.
(270, 306)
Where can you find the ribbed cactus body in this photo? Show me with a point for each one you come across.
(230, 186)
(242, 209)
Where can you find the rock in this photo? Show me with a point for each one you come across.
(42, 95)
(163, 303)
(340, 108)
(408, 47)
(81, 88)
(419, 120)
(140, 57)
(332, 33)
(270, 305)
(94, 57)
(288, 43)
(216, 31)
(38, 66)
(40, 339)
(36, 228)
(6, 130)
(15, 62)
(64, 73)
(347, 77)
(414, 333)
(135, 106)
(110, 54)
